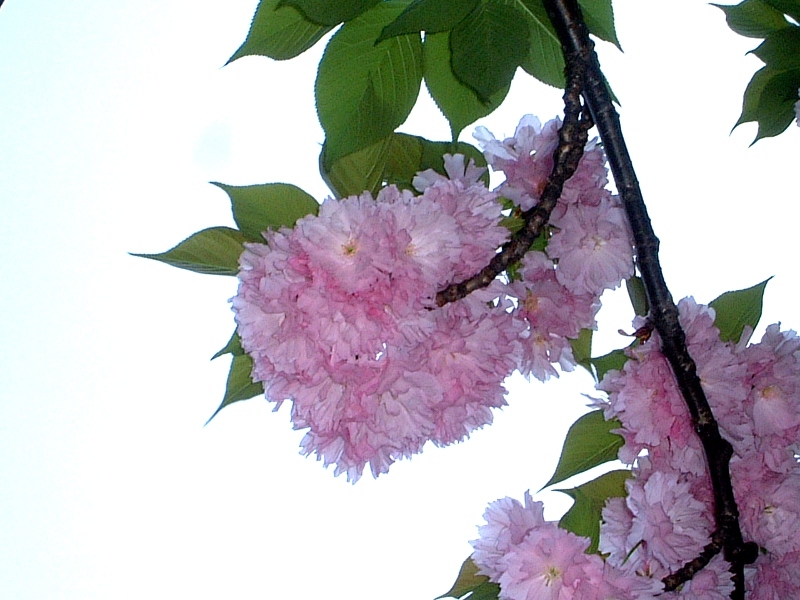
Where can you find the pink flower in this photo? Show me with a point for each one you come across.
(338, 317)
(593, 247)
(507, 524)
(548, 564)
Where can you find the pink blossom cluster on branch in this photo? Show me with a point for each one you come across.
(666, 519)
(589, 252)
(339, 314)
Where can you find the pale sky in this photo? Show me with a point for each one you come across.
(114, 116)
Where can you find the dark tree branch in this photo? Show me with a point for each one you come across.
(572, 139)
(574, 35)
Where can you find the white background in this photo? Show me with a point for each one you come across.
(114, 116)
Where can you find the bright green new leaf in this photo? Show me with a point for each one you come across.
(279, 32)
(589, 443)
(638, 296)
(582, 349)
(584, 517)
(781, 49)
(365, 90)
(257, 208)
(234, 346)
(753, 18)
(430, 16)
(488, 46)
(469, 582)
(459, 103)
(736, 309)
(769, 100)
(213, 251)
(599, 17)
(330, 12)
(789, 7)
(239, 386)
(613, 361)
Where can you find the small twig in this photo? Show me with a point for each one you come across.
(687, 571)
(572, 139)
(574, 35)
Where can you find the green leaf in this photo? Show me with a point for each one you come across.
(330, 12)
(736, 309)
(257, 208)
(469, 582)
(638, 296)
(544, 59)
(753, 18)
(459, 103)
(769, 99)
(365, 90)
(279, 33)
(584, 517)
(430, 16)
(582, 349)
(234, 346)
(213, 251)
(599, 17)
(239, 386)
(589, 443)
(788, 7)
(353, 174)
(613, 361)
(487, 47)
(394, 160)
(781, 49)
(433, 156)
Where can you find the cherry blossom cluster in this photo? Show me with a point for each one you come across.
(339, 313)
(534, 559)
(665, 520)
(588, 250)
(338, 316)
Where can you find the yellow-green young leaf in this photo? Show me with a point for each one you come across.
(469, 582)
(459, 103)
(331, 12)
(584, 517)
(582, 349)
(365, 90)
(736, 309)
(589, 443)
(487, 47)
(637, 295)
(753, 18)
(613, 361)
(234, 346)
(279, 32)
(239, 385)
(430, 16)
(213, 251)
(257, 208)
